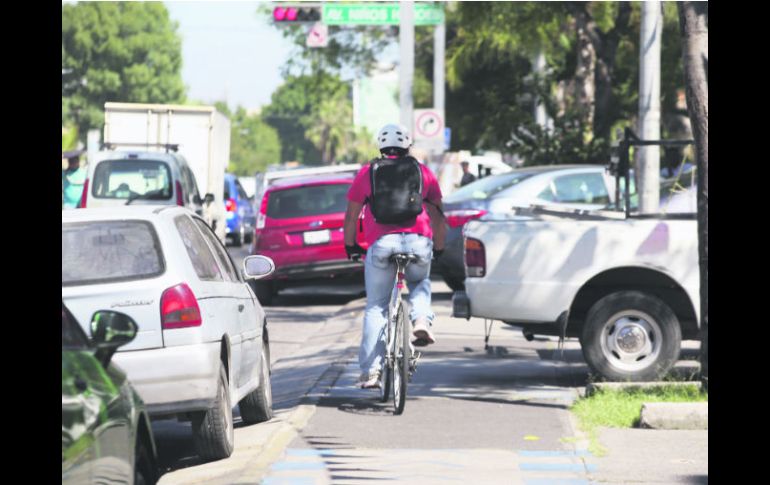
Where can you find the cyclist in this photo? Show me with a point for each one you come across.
(422, 236)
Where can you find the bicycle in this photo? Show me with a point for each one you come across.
(400, 360)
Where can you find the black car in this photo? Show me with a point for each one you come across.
(105, 430)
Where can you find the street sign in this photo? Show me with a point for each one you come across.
(379, 14)
(318, 36)
(429, 129)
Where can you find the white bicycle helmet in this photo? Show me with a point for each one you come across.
(394, 136)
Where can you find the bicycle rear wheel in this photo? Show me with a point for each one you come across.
(401, 361)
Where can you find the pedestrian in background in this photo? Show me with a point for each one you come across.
(468, 177)
(72, 180)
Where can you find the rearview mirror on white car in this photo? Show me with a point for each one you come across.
(257, 267)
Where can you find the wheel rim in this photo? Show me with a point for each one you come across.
(631, 340)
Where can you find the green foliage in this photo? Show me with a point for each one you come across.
(117, 51)
(253, 144)
(492, 89)
(69, 138)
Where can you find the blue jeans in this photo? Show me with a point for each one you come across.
(380, 275)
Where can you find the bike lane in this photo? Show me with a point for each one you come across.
(473, 415)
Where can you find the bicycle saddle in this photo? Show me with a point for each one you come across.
(403, 258)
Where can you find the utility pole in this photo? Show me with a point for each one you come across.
(648, 161)
(406, 69)
(439, 44)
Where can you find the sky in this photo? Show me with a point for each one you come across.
(229, 52)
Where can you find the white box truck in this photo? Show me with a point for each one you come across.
(199, 133)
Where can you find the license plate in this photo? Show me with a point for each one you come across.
(316, 237)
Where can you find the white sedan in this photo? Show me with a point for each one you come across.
(202, 344)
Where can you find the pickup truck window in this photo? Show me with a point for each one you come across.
(582, 188)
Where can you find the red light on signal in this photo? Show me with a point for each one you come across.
(279, 13)
(291, 14)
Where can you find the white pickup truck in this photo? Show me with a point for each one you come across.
(627, 287)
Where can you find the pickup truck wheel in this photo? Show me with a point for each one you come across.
(631, 336)
(257, 406)
(213, 428)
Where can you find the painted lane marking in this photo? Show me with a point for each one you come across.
(297, 465)
(561, 467)
(533, 453)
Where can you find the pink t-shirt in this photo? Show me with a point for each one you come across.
(362, 188)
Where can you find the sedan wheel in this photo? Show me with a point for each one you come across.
(213, 428)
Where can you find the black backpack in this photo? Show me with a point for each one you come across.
(396, 190)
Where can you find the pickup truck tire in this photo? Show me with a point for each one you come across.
(213, 434)
(631, 336)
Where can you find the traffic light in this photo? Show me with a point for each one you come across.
(297, 13)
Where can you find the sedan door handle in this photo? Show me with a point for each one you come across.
(241, 307)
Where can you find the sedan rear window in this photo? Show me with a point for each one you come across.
(122, 179)
(308, 201)
(109, 251)
(487, 186)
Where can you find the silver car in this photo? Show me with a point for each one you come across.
(202, 345)
(586, 187)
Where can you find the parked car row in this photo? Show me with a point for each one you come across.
(201, 341)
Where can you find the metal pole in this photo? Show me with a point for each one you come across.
(648, 163)
(439, 44)
(406, 70)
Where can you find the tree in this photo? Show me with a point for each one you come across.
(693, 20)
(589, 87)
(117, 51)
(253, 143)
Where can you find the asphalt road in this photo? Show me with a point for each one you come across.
(474, 414)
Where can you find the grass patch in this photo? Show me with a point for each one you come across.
(621, 408)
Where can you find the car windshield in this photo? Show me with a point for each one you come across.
(487, 186)
(124, 179)
(307, 201)
(107, 251)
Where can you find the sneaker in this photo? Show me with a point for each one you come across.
(370, 381)
(421, 334)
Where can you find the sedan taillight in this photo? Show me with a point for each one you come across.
(179, 194)
(179, 308)
(456, 218)
(475, 258)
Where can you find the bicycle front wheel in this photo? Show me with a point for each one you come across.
(401, 361)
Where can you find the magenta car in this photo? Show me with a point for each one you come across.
(299, 226)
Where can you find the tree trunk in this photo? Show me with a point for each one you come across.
(693, 24)
(585, 86)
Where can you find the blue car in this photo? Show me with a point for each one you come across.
(241, 218)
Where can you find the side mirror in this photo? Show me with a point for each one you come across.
(197, 199)
(208, 198)
(257, 267)
(110, 330)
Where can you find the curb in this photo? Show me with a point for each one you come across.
(675, 415)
